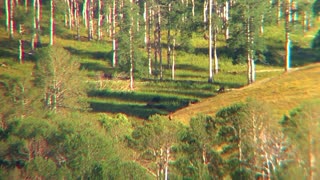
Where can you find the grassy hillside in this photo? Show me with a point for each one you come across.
(282, 92)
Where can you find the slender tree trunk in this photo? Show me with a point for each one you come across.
(159, 41)
(7, 8)
(11, 27)
(76, 18)
(287, 34)
(261, 26)
(166, 166)
(90, 19)
(148, 17)
(33, 41)
(227, 20)
(131, 49)
(20, 45)
(85, 13)
(311, 156)
(99, 20)
(205, 12)
(279, 14)
(114, 40)
(169, 38)
(249, 60)
(216, 60)
(51, 22)
(173, 57)
(155, 39)
(210, 80)
(26, 5)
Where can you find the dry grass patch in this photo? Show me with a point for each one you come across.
(283, 93)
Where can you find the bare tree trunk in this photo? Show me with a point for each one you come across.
(173, 57)
(90, 19)
(20, 45)
(210, 80)
(279, 14)
(216, 61)
(114, 40)
(227, 20)
(99, 20)
(76, 18)
(159, 41)
(288, 41)
(7, 8)
(131, 49)
(249, 60)
(148, 19)
(205, 12)
(11, 26)
(85, 13)
(51, 23)
(26, 5)
(169, 38)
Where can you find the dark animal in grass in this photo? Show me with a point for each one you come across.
(106, 76)
(221, 89)
(153, 101)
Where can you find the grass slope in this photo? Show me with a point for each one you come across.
(281, 93)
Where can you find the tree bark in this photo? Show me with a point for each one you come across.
(173, 58)
(51, 22)
(114, 40)
(210, 80)
(169, 38)
(11, 26)
(227, 20)
(7, 9)
(99, 20)
(287, 34)
(159, 41)
(216, 60)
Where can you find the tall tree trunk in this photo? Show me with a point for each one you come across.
(287, 34)
(227, 20)
(7, 8)
(169, 37)
(173, 58)
(76, 18)
(216, 60)
(155, 43)
(279, 14)
(90, 19)
(99, 20)
(114, 40)
(51, 22)
(131, 49)
(159, 41)
(148, 19)
(11, 26)
(210, 80)
(85, 13)
(20, 45)
(249, 60)
(205, 12)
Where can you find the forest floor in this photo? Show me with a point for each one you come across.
(283, 93)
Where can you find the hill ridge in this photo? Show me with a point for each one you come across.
(283, 93)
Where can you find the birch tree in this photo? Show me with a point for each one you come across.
(287, 59)
(245, 40)
(51, 22)
(302, 127)
(58, 75)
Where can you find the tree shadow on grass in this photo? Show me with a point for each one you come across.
(141, 111)
(7, 48)
(95, 66)
(304, 56)
(88, 54)
(139, 104)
